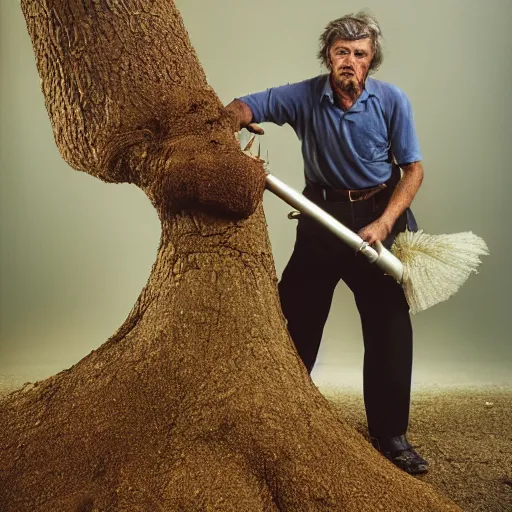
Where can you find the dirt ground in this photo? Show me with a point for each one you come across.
(466, 435)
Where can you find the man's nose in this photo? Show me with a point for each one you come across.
(349, 59)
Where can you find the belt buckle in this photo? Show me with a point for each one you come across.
(350, 196)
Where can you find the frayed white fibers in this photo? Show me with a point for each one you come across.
(436, 266)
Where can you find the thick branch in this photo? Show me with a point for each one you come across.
(128, 101)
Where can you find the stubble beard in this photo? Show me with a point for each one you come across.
(350, 86)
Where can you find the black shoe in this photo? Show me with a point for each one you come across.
(401, 453)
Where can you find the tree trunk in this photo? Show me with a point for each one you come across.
(199, 401)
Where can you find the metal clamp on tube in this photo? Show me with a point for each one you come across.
(389, 263)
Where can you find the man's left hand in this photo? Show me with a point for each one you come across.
(377, 230)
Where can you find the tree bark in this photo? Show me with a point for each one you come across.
(199, 401)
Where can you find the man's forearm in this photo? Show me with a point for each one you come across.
(404, 192)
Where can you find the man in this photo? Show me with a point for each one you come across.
(353, 129)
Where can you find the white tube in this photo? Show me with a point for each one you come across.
(389, 263)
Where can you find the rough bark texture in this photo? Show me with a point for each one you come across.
(199, 400)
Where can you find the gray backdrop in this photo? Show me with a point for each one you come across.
(75, 252)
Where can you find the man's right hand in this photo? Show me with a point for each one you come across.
(241, 114)
(255, 128)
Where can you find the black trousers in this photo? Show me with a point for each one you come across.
(318, 262)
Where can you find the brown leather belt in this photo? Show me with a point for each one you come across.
(345, 195)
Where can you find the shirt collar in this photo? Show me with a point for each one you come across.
(369, 90)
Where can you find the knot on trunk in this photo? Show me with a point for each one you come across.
(208, 174)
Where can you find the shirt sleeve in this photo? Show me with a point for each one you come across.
(403, 137)
(278, 105)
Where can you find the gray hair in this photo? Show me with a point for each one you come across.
(352, 27)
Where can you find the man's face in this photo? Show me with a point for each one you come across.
(349, 62)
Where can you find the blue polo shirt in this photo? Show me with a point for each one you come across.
(347, 149)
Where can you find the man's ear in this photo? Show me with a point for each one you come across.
(328, 59)
(371, 62)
